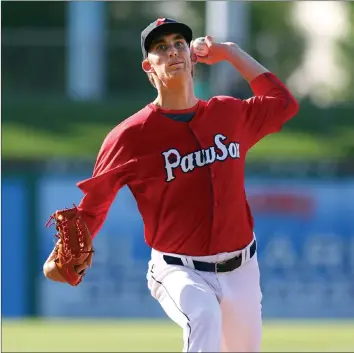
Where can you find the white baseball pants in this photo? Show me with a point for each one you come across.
(218, 312)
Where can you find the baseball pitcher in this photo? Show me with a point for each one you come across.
(183, 159)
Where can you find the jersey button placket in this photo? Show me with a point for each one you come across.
(216, 203)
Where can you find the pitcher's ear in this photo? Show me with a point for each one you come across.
(147, 67)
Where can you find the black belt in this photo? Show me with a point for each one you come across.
(225, 266)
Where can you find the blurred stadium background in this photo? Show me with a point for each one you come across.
(71, 71)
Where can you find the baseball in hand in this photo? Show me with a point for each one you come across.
(200, 47)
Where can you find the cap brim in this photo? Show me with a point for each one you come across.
(165, 28)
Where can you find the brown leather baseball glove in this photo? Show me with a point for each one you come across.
(73, 251)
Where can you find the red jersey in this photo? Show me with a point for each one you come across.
(188, 177)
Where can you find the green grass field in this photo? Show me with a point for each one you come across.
(163, 336)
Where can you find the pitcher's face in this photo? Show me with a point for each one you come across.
(169, 57)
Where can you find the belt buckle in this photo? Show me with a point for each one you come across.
(216, 265)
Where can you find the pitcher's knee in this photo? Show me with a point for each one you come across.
(205, 330)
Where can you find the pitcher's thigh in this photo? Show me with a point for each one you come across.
(190, 302)
(242, 309)
(241, 329)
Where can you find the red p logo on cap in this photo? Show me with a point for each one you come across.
(160, 21)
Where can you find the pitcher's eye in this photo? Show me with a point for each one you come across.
(162, 47)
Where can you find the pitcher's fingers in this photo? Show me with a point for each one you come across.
(194, 57)
(203, 59)
(209, 39)
(191, 48)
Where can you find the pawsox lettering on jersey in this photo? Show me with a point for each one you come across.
(219, 152)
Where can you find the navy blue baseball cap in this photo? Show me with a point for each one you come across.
(160, 27)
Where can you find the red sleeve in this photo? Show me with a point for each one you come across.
(115, 166)
(271, 106)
